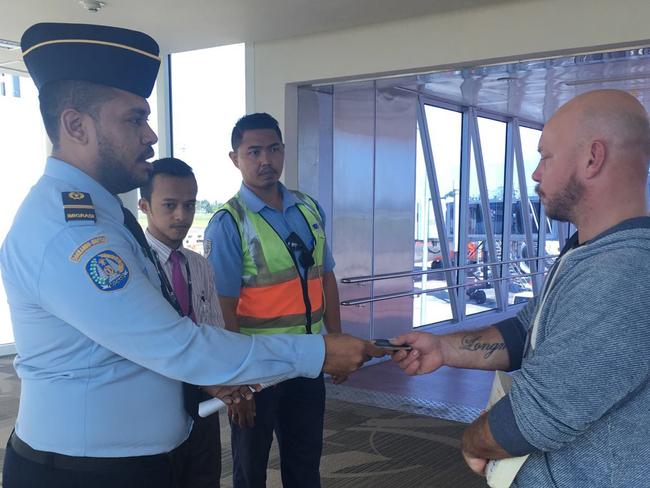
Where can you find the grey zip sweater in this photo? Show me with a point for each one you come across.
(580, 402)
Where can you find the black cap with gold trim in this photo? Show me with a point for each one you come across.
(110, 56)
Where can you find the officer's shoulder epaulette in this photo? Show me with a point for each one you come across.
(78, 206)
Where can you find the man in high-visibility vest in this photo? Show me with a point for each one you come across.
(267, 245)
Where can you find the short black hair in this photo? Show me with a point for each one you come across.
(260, 120)
(82, 96)
(165, 166)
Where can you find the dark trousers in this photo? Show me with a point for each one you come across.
(143, 472)
(199, 466)
(194, 464)
(294, 409)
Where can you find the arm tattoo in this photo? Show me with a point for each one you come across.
(473, 343)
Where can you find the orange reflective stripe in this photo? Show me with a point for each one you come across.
(271, 301)
(315, 290)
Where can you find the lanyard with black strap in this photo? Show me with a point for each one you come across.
(293, 242)
(131, 223)
(168, 289)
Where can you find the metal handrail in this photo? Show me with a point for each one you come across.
(408, 274)
(390, 296)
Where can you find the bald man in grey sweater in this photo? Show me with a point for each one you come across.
(580, 351)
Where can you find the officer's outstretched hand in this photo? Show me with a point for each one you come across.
(345, 353)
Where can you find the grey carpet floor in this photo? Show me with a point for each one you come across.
(364, 446)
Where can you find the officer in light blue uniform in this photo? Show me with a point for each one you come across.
(100, 353)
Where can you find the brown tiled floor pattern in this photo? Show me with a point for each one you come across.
(365, 446)
(469, 388)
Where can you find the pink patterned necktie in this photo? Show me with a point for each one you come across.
(179, 284)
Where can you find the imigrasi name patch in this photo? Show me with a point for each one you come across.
(78, 205)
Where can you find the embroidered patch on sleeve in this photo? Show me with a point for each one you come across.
(81, 250)
(108, 271)
(78, 205)
(207, 247)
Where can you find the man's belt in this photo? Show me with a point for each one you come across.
(79, 463)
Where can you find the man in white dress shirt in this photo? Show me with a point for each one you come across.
(169, 201)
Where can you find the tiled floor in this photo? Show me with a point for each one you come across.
(450, 385)
(449, 393)
(364, 446)
(452, 394)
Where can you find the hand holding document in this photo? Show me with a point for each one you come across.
(208, 407)
(501, 473)
(231, 393)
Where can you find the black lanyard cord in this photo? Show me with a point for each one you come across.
(303, 280)
(168, 289)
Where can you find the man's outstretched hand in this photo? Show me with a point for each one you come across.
(425, 356)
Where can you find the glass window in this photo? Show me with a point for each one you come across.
(529, 142)
(22, 145)
(520, 287)
(480, 290)
(208, 96)
(445, 137)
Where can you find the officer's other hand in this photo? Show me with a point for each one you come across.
(242, 413)
(231, 394)
(345, 354)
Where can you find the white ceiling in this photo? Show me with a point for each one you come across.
(530, 90)
(181, 25)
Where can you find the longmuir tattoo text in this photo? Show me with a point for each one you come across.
(473, 343)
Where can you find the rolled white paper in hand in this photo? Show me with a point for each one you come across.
(208, 407)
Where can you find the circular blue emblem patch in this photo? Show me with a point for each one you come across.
(108, 271)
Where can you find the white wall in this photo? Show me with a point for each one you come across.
(507, 31)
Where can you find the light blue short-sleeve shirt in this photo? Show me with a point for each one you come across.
(100, 353)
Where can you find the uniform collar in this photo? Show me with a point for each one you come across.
(162, 250)
(78, 180)
(255, 203)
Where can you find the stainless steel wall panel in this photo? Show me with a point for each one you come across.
(315, 162)
(352, 191)
(394, 216)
